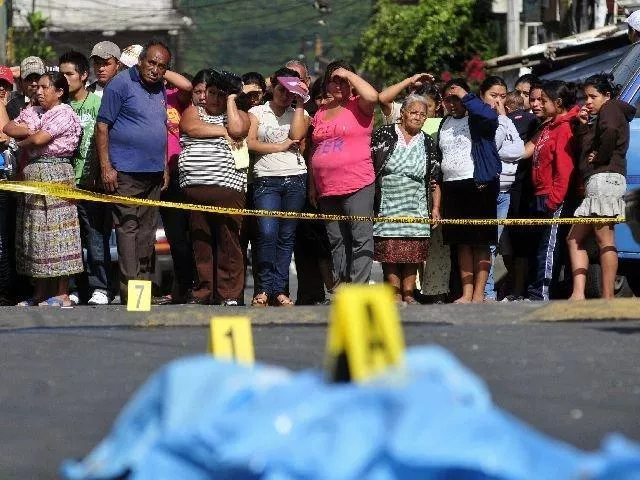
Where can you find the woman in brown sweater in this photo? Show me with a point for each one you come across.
(602, 139)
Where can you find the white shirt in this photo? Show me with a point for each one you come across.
(455, 143)
(394, 115)
(510, 149)
(274, 129)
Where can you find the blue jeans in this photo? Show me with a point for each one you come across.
(276, 237)
(503, 210)
(95, 230)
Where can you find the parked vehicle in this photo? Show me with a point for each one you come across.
(627, 74)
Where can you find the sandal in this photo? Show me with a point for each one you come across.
(410, 300)
(260, 300)
(283, 300)
(55, 302)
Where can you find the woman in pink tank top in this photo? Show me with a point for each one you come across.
(341, 170)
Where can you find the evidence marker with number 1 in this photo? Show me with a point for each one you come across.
(230, 338)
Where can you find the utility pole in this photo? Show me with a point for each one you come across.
(513, 26)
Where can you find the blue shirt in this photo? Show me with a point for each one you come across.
(136, 114)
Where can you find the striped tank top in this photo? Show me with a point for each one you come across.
(209, 161)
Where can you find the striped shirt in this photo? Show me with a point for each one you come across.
(209, 161)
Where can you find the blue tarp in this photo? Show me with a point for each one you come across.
(199, 419)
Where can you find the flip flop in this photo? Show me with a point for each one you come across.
(54, 302)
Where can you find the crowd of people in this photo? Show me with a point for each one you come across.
(285, 143)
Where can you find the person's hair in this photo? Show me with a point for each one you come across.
(603, 83)
(79, 61)
(59, 82)
(203, 76)
(414, 98)
(535, 86)
(567, 93)
(153, 43)
(529, 78)
(254, 78)
(332, 67)
(297, 63)
(514, 101)
(226, 82)
(316, 89)
(431, 91)
(455, 82)
(282, 72)
(492, 81)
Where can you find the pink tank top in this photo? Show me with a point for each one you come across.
(341, 161)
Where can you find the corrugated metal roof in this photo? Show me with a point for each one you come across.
(95, 15)
(550, 49)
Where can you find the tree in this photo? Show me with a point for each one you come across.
(432, 36)
(32, 41)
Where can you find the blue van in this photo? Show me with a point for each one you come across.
(626, 73)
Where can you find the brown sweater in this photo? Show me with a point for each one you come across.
(608, 137)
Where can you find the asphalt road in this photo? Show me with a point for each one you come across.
(61, 387)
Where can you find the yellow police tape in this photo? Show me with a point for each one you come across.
(71, 193)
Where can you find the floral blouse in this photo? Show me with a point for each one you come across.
(60, 122)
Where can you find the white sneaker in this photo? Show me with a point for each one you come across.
(99, 298)
(74, 297)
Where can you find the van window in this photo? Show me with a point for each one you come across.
(627, 66)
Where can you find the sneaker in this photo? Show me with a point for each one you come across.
(230, 303)
(74, 297)
(99, 297)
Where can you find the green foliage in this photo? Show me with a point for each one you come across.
(32, 41)
(432, 36)
(260, 35)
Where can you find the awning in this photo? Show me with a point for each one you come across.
(577, 72)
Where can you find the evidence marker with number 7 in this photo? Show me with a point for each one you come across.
(230, 338)
(139, 296)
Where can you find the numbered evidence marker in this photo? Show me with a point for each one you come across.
(139, 296)
(230, 339)
(365, 335)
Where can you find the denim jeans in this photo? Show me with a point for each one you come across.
(503, 210)
(276, 237)
(95, 230)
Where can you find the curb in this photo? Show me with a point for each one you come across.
(498, 313)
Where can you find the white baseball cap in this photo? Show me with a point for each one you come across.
(634, 20)
(129, 56)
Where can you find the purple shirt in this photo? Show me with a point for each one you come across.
(60, 122)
